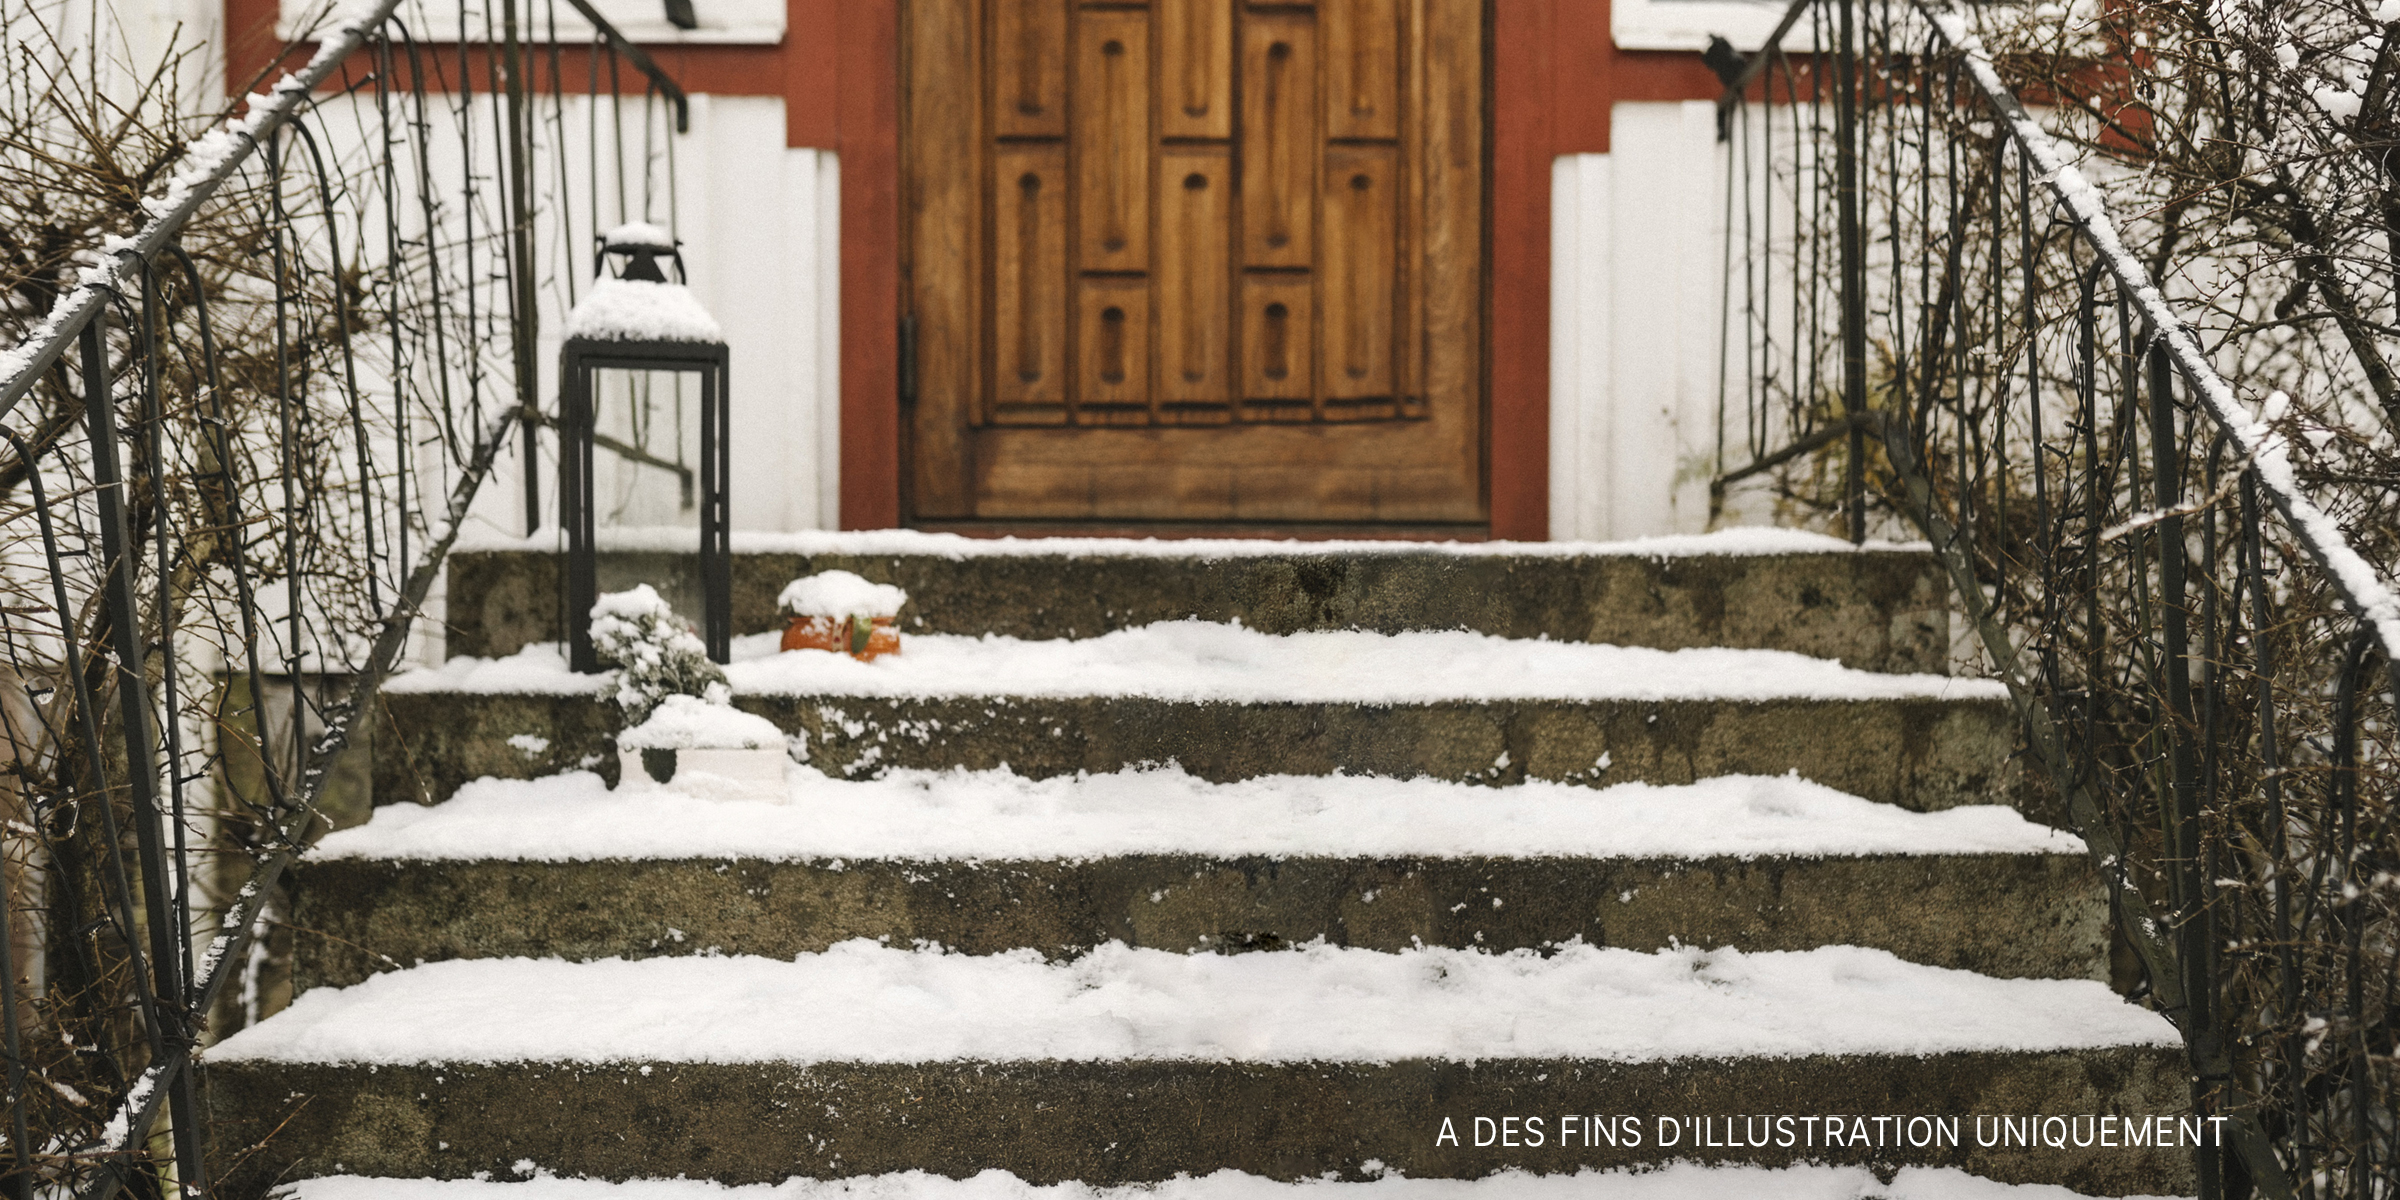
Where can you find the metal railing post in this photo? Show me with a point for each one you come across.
(523, 302)
(716, 518)
(162, 1002)
(575, 505)
(1849, 213)
(2182, 832)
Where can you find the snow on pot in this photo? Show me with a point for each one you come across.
(836, 610)
(705, 749)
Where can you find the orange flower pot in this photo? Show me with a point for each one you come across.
(862, 638)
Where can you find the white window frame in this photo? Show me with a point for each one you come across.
(722, 22)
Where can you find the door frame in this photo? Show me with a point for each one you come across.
(1517, 274)
(1554, 73)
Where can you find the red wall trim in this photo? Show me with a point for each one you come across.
(868, 111)
(1518, 369)
(1581, 77)
(1556, 75)
(811, 74)
(1659, 75)
(253, 57)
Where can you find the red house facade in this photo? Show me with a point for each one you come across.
(1531, 87)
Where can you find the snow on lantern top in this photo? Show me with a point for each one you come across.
(633, 310)
(840, 594)
(639, 304)
(642, 234)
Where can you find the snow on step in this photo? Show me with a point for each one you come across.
(861, 1002)
(1195, 661)
(1677, 1181)
(1747, 540)
(984, 815)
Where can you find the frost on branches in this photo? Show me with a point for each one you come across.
(656, 652)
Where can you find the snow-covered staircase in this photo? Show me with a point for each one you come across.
(1582, 841)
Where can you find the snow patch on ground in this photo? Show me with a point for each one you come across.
(1195, 661)
(538, 669)
(1199, 661)
(691, 723)
(964, 815)
(1746, 540)
(863, 1002)
(1676, 1181)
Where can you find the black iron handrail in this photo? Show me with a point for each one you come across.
(115, 335)
(2367, 596)
(642, 62)
(22, 367)
(2365, 593)
(170, 1004)
(1892, 270)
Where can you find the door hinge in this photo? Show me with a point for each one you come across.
(908, 361)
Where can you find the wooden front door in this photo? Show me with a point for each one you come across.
(1193, 260)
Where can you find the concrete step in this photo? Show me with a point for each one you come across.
(1231, 703)
(1680, 1181)
(1467, 872)
(987, 863)
(1922, 754)
(1114, 1123)
(1132, 1065)
(1879, 608)
(2011, 916)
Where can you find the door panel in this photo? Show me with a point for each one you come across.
(1195, 202)
(1447, 296)
(1113, 335)
(1112, 141)
(943, 242)
(1029, 273)
(1029, 68)
(1278, 323)
(1279, 129)
(1361, 215)
(1362, 68)
(1195, 66)
(1194, 260)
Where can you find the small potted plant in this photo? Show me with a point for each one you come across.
(839, 611)
(676, 704)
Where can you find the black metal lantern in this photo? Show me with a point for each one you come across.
(638, 246)
(638, 320)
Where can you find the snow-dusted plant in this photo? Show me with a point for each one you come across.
(657, 654)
